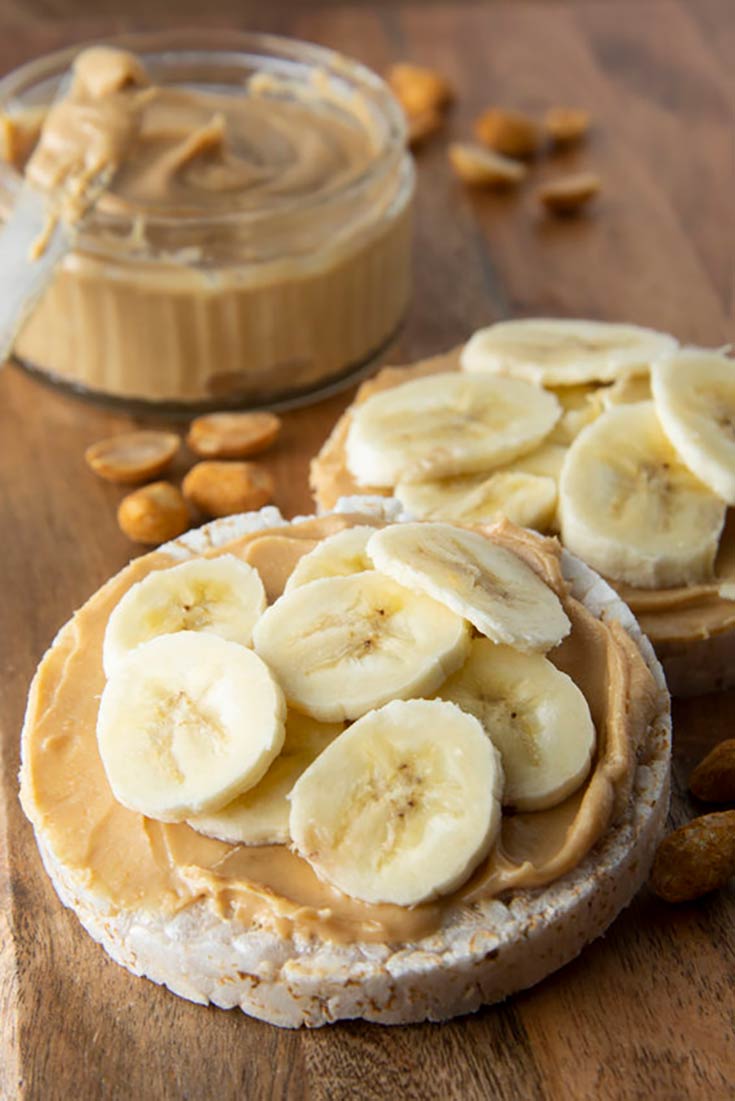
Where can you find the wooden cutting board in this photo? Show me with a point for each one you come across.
(648, 1011)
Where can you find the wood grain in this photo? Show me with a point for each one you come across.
(647, 1012)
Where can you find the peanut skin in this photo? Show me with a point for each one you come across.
(695, 859)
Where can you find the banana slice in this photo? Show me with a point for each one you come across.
(341, 646)
(536, 717)
(630, 508)
(626, 391)
(338, 555)
(526, 499)
(546, 461)
(490, 586)
(560, 352)
(694, 393)
(444, 425)
(402, 806)
(222, 596)
(581, 405)
(186, 722)
(260, 815)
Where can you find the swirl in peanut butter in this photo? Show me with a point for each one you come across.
(179, 151)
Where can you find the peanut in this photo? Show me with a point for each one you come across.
(695, 859)
(509, 132)
(713, 780)
(232, 435)
(570, 193)
(419, 89)
(423, 125)
(483, 167)
(222, 489)
(153, 514)
(132, 457)
(566, 125)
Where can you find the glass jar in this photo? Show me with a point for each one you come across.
(241, 306)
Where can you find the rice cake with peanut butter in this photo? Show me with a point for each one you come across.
(689, 616)
(262, 926)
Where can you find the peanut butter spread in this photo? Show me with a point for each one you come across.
(682, 614)
(181, 151)
(245, 243)
(129, 861)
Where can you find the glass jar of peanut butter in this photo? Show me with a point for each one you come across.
(254, 244)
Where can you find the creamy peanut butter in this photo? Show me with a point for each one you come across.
(247, 244)
(682, 614)
(130, 861)
(184, 151)
(92, 129)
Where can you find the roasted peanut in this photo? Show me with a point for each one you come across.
(221, 489)
(232, 435)
(713, 780)
(133, 456)
(153, 514)
(570, 193)
(423, 125)
(695, 859)
(509, 132)
(418, 89)
(484, 167)
(566, 125)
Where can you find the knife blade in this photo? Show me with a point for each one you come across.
(23, 279)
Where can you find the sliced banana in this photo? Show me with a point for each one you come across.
(260, 815)
(338, 555)
(546, 461)
(535, 715)
(526, 499)
(444, 425)
(694, 392)
(560, 352)
(630, 508)
(626, 391)
(222, 596)
(401, 807)
(581, 405)
(186, 722)
(487, 584)
(341, 646)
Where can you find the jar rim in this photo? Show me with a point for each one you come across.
(279, 53)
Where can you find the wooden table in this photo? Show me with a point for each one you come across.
(649, 1011)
